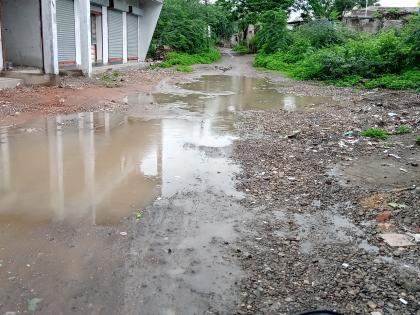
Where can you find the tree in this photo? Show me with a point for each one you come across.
(328, 9)
(246, 12)
(183, 26)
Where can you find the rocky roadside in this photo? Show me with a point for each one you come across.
(321, 195)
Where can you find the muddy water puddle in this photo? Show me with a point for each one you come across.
(236, 93)
(68, 183)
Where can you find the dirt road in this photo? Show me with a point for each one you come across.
(224, 191)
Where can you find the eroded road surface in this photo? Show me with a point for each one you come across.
(214, 193)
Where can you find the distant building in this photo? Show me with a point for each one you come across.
(52, 35)
(374, 18)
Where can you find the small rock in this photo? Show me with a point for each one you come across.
(371, 305)
(384, 216)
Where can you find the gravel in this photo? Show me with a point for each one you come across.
(313, 239)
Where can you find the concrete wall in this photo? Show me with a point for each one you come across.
(362, 24)
(147, 24)
(370, 24)
(21, 25)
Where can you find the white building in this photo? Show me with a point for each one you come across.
(75, 34)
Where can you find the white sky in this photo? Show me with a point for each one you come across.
(399, 3)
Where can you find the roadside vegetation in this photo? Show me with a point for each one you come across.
(320, 49)
(403, 129)
(375, 133)
(185, 59)
(326, 51)
(183, 27)
(241, 49)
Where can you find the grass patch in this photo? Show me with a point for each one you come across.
(417, 140)
(375, 133)
(183, 68)
(184, 59)
(241, 49)
(401, 130)
(409, 80)
(109, 77)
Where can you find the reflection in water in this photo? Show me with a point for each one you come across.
(5, 159)
(234, 93)
(101, 167)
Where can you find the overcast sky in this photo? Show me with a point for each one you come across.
(399, 3)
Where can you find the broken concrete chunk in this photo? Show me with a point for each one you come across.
(396, 240)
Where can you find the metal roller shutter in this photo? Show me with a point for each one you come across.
(132, 37)
(66, 41)
(115, 35)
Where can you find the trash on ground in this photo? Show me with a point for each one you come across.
(396, 205)
(394, 156)
(33, 304)
(396, 240)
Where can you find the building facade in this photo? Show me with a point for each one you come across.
(52, 35)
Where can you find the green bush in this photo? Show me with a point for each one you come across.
(273, 35)
(184, 59)
(375, 133)
(322, 50)
(182, 26)
(405, 81)
(417, 140)
(241, 49)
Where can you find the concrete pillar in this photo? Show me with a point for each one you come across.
(85, 40)
(124, 35)
(1, 51)
(105, 35)
(138, 39)
(49, 36)
(151, 12)
(77, 34)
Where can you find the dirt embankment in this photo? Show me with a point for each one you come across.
(76, 94)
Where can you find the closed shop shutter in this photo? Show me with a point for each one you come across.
(132, 37)
(115, 35)
(66, 39)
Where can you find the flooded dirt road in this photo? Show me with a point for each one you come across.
(206, 195)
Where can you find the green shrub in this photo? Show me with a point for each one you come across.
(183, 68)
(322, 33)
(182, 26)
(404, 81)
(417, 140)
(375, 133)
(273, 35)
(322, 50)
(403, 130)
(184, 59)
(241, 49)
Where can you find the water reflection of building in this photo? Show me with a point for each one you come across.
(92, 169)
